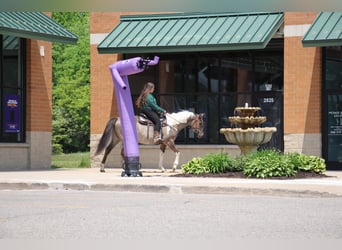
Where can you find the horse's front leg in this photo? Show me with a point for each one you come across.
(176, 162)
(172, 146)
(102, 168)
(161, 157)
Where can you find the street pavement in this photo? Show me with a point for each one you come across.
(153, 180)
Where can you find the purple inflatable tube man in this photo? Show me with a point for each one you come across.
(120, 70)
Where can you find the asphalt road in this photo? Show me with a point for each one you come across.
(62, 214)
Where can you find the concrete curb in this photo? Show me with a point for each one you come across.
(89, 179)
(166, 188)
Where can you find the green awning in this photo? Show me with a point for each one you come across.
(191, 32)
(34, 25)
(326, 30)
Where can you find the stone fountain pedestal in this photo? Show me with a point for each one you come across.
(246, 135)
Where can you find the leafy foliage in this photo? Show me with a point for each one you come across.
(71, 90)
(307, 163)
(268, 163)
(261, 164)
(71, 63)
(196, 166)
(211, 163)
(71, 116)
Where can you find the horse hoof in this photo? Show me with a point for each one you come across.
(102, 171)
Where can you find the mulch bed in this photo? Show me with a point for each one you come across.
(299, 175)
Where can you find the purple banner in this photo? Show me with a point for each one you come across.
(12, 113)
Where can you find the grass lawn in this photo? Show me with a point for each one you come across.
(73, 160)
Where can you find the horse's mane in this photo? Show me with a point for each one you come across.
(183, 115)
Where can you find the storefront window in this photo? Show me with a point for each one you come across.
(215, 83)
(11, 89)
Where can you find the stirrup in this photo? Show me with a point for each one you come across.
(157, 140)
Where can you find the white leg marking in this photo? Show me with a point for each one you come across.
(161, 160)
(176, 162)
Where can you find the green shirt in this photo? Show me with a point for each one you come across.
(151, 103)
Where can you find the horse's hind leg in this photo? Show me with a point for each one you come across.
(107, 151)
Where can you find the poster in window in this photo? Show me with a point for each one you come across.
(12, 113)
(335, 122)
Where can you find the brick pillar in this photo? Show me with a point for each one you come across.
(302, 87)
(39, 104)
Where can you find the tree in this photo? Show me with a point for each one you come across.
(71, 63)
(71, 90)
(71, 116)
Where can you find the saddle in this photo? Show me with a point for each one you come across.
(144, 120)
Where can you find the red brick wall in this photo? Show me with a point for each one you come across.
(102, 98)
(103, 102)
(39, 87)
(297, 18)
(302, 81)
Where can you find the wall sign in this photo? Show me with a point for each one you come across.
(335, 122)
(12, 113)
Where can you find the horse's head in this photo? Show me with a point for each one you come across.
(197, 125)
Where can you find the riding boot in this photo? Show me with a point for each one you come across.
(156, 138)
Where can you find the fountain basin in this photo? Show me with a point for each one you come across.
(247, 111)
(247, 121)
(248, 139)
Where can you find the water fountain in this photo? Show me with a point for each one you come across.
(246, 134)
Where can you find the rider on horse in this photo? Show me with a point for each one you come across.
(148, 105)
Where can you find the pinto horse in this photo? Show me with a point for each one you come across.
(173, 124)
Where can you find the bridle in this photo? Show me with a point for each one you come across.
(197, 124)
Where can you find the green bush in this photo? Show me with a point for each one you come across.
(57, 148)
(308, 163)
(268, 163)
(239, 163)
(196, 166)
(261, 164)
(211, 163)
(220, 162)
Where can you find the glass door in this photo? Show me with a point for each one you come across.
(333, 131)
(332, 108)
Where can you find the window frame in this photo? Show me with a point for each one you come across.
(20, 89)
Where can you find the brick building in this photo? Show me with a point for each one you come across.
(26, 88)
(300, 68)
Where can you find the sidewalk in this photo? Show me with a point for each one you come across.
(154, 181)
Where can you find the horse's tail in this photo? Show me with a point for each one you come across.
(106, 137)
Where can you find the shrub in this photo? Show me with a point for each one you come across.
(212, 163)
(239, 163)
(268, 163)
(308, 163)
(196, 166)
(57, 148)
(219, 163)
(261, 164)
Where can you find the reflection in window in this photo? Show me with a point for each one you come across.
(216, 83)
(11, 89)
